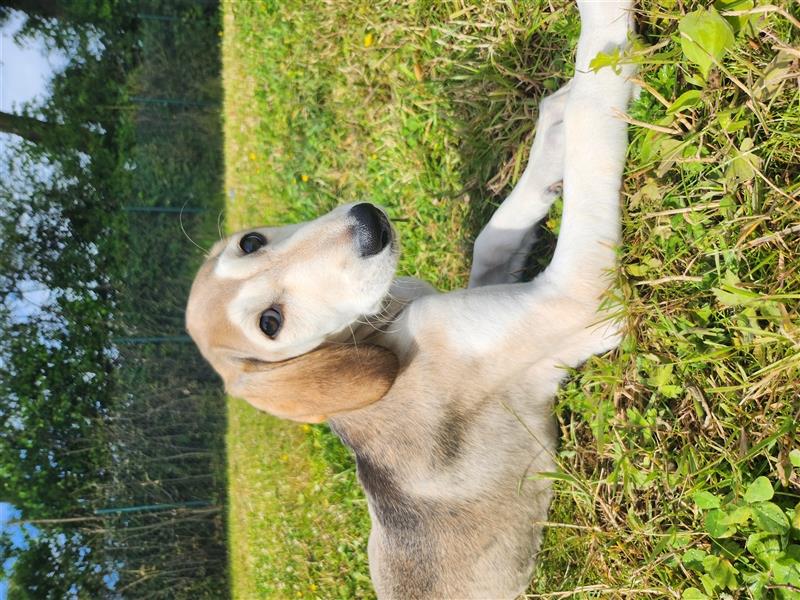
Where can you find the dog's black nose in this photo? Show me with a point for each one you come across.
(373, 232)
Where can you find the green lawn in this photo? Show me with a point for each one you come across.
(428, 108)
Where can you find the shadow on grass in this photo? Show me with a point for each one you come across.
(495, 105)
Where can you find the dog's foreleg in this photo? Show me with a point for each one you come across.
(596, 143)
(501, 248)
(560, 307)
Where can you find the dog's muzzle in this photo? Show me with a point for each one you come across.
(372, 230)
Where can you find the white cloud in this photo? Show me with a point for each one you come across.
(25, 69)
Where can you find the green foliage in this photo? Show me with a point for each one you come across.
(87, 424)
(705, 36)
(56, 372)
(708, 314)
(761, 553)
(794, 457)
(687, 99)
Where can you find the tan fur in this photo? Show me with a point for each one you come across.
(339, 375)
(210, 328)
(311, 387)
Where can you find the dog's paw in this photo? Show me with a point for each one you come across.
(605, 22)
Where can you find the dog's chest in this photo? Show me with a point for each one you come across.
(448, 482)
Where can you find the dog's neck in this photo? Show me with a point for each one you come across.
(380, 328)
(384, 329)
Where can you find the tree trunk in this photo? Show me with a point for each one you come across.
(48, 9)
(27, 127)
(37, 131)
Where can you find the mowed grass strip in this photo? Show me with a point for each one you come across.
(428, 108)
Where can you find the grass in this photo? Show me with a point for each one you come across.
(428, 108)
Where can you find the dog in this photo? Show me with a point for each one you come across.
(445, 399)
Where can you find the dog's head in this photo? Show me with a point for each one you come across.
(272, 310)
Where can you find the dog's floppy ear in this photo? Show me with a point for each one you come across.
(314, 386)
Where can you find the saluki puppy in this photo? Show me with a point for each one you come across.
(444, 399)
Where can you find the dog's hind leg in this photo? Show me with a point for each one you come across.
(502, 246)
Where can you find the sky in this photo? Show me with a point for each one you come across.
(25, 71)
(18, 538)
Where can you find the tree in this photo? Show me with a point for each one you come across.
(27, 127)
(65, 24)
(47, 9)
(78, 432)
(41, 572)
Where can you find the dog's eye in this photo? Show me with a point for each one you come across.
(271, 321)
(251, 242)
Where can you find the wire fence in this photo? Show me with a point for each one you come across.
(165, 491)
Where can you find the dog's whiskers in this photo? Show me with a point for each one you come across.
(219, 224)
(183, 229)
(367, 322)
(353, 335)
(381, 317)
